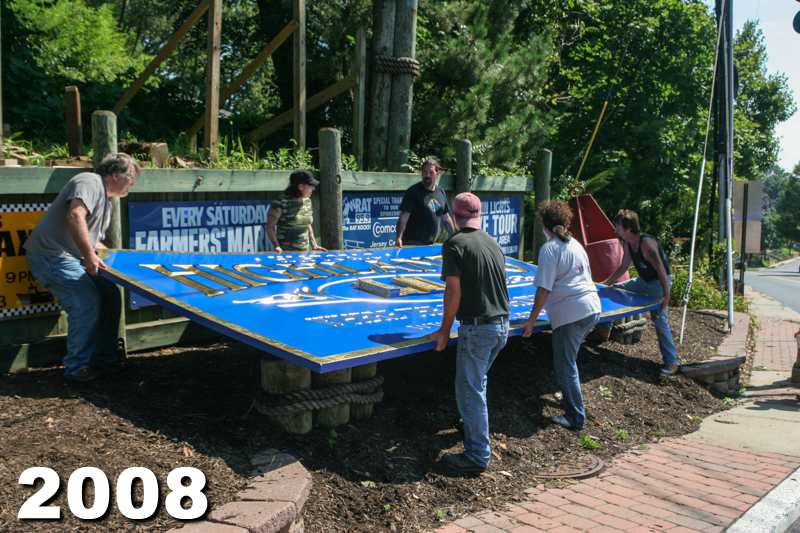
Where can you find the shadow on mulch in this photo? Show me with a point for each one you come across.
(192, 406)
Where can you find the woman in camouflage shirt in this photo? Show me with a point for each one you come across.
(290, 216)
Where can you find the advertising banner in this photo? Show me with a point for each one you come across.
(20, 294)
(324, 311)
(370, 219)
(225, 226)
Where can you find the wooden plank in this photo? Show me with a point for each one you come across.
(162, 55)
(359, 97)
(211, 131)
(246, 73)
(299, 109)
(314, 102)
(72, 101)
(505, 184)
(149, 335)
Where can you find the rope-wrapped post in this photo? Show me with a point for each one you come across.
(339, 414)
(637, 334)
(360, 374)
(281, 377)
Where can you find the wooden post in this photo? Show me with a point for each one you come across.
(363, 373)
(381, 85)
(162, 55)
(2, 152)
(405, 45)
(330, 188)
(104, 142)
(463, 166)
(211, 132)
(279, 377)
(339, 414)
(72, 99)
(245, 75)
(359, 96)
(300, 74)
(541, 193)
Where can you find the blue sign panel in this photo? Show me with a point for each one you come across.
(324, 311)
(208, 227)
(369, 220)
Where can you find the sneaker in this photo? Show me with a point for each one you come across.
(110, 367)
(669, 369)
(462, 463)
(562, 421)
(82, 376)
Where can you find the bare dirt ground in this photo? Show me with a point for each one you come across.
(192, 406)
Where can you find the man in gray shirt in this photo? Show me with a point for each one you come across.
(67, 234)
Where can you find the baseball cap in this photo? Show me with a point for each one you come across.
(303, 176)
(467, 208)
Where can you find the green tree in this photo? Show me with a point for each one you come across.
(788, 220)
(763, 101)
(774, 181)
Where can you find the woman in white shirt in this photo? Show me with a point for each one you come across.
(564, 282)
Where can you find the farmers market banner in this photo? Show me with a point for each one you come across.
(324, 311)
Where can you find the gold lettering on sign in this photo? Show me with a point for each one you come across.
(235, 275)
(180, 277)
(244, 268)
(350, 270)
(389, 267)
(213, 277)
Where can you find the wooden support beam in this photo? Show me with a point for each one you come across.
(299, 110)
(463, 166)
(246, 73)
(359, 96)
(330, 188)
(359, 374)
(72, 100)
(380, 85)
(314, 102)
(211, 134)
(405, 45)
(337, 415)
(281, 377)
(541, 194)
(162, 55)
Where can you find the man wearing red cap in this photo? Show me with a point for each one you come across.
(473, 259)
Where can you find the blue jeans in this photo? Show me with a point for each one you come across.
(93, 305)
(653, 289)
(567, 341)
(478, 347)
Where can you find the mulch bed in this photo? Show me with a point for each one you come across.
(192, 406)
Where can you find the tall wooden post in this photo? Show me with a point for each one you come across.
(300, 74)
(330, 188)
(72, 100)
(2, 152)
(405, 45)
(104, 142)
(359, 97)
(381, 84)
(211, 129)
(541, 193)
(463, 166)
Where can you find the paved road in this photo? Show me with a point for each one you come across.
(781, 283)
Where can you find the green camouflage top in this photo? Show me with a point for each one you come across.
(292, 228)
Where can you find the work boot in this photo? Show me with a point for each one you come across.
(462, 463)
(599, 334)
(85, 375)
(669, 369)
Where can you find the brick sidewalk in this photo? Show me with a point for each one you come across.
(684, 487)
(776, 347)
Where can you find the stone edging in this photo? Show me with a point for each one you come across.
(271, 503)
(721, 372)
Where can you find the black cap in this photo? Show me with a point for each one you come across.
(303, 176)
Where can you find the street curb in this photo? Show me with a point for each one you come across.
(775, 512)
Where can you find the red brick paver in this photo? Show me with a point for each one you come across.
(776, 347)
(629, 496)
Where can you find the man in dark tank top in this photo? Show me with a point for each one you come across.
(654, 279)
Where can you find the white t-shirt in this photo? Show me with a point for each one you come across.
(564, 270)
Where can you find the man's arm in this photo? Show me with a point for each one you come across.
(650, 248)
(272, 218)
(452, 299)
(402, 220)
(447, 222)
(79, 230)
(538, 304)
(313, 241)
(623, 267)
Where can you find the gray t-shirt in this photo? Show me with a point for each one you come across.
(51, 235)
(564, 270)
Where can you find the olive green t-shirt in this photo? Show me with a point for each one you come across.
(292, 228)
